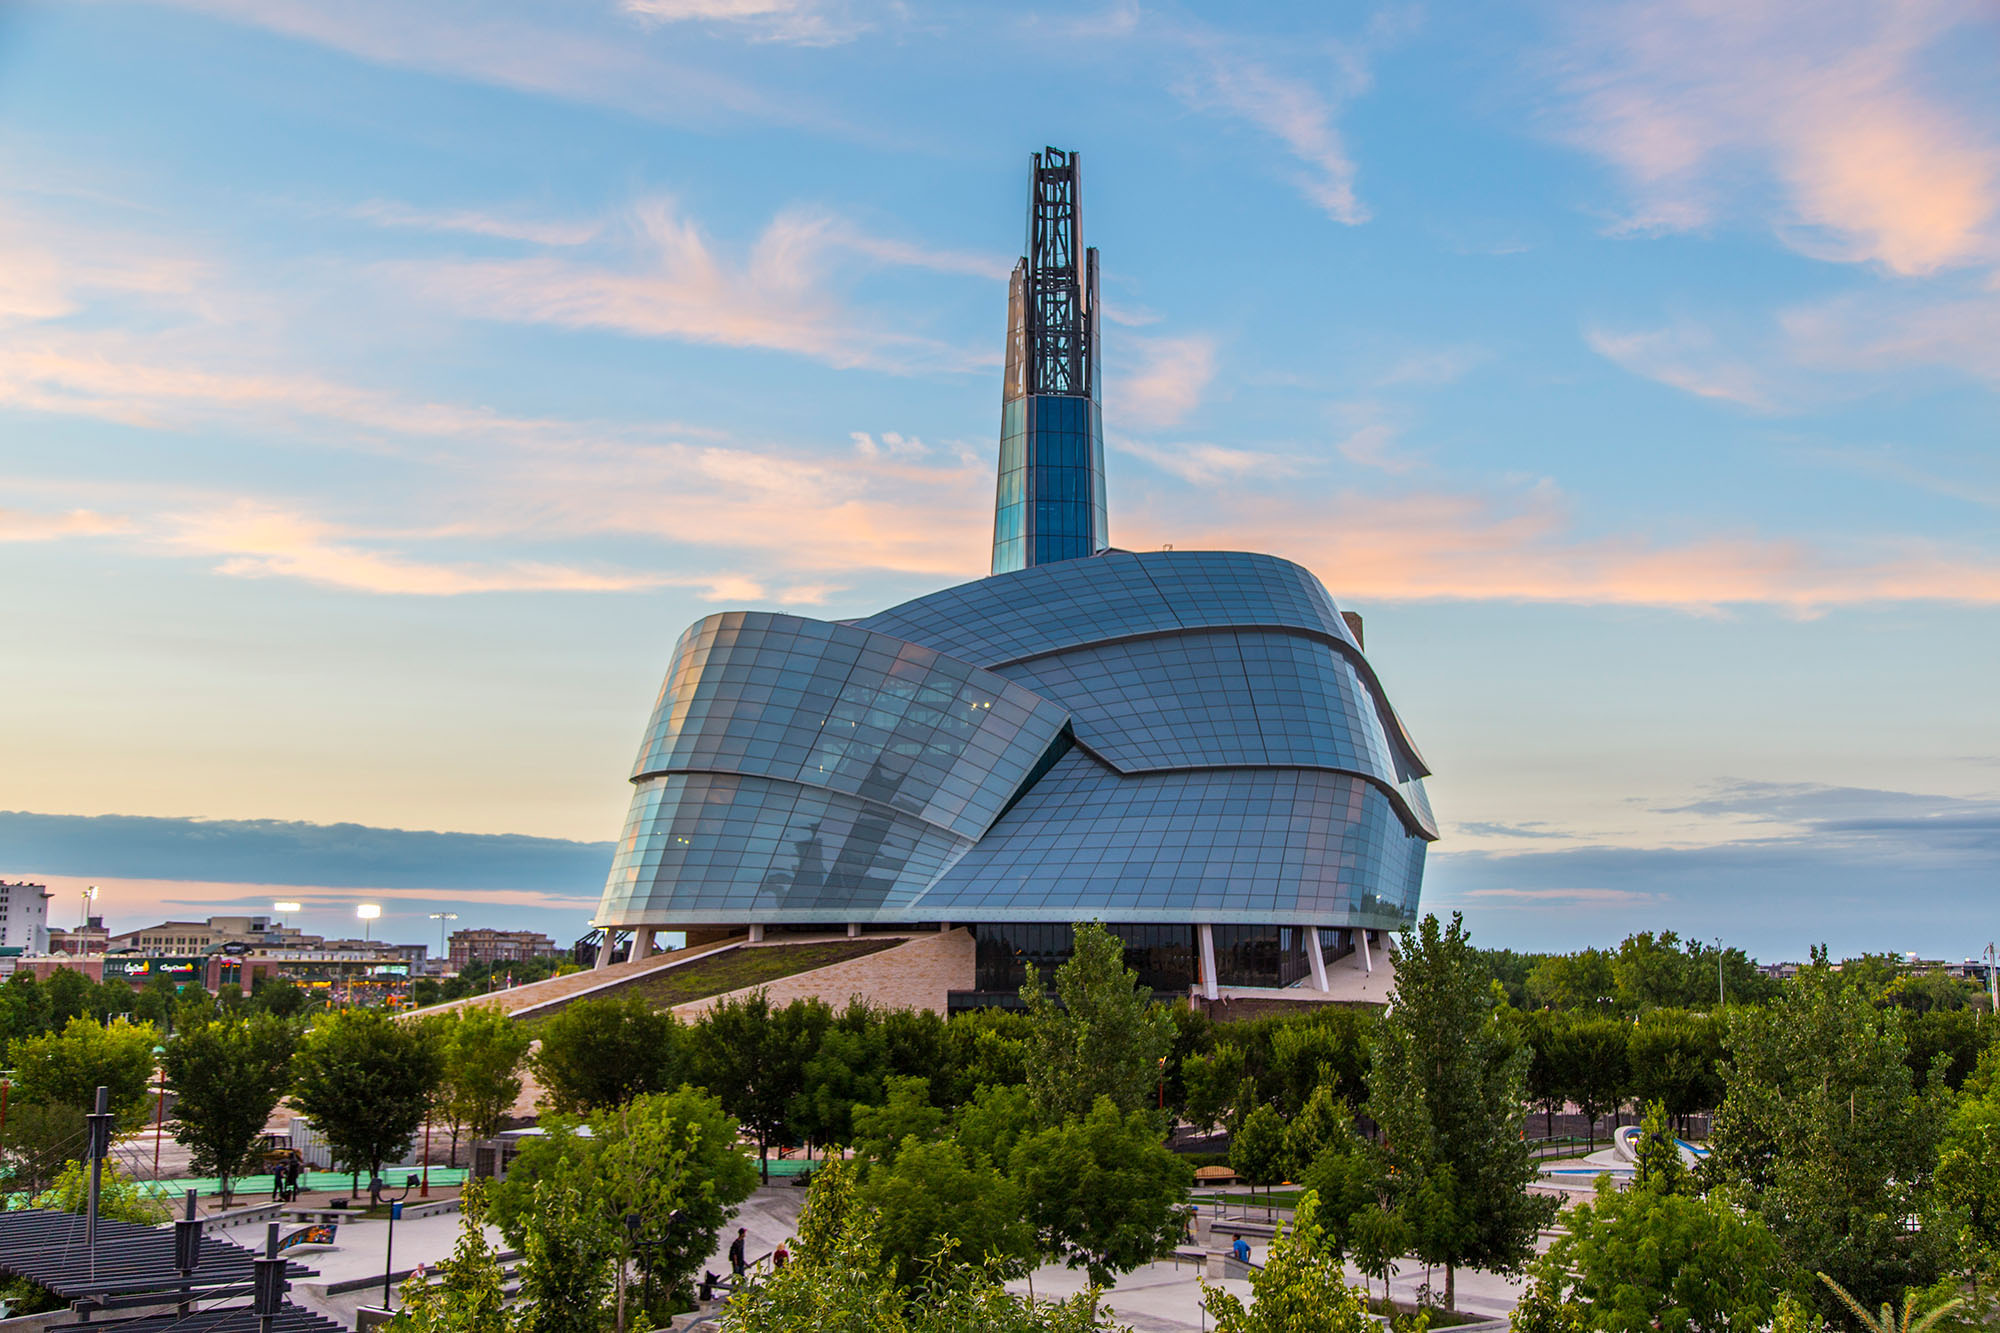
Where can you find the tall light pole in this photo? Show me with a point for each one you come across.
(1721, 999)
(441, 918)
(83, 922)
(1993, 977)
(367, 912)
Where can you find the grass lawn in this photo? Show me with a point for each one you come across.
(733, 969)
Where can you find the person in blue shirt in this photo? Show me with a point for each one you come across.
(1241, 1249)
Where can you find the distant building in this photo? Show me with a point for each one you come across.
(483, 945)
(88, 938)
(24, 917)
(201, 936)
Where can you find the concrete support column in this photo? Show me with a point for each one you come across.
(1367, 957)
(853, 930)
(757, 933)
(1317, 957)
(642, 943)
(604, 949)
(1209, 989)
(944, 927)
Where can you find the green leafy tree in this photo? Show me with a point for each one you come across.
(1647, 1259)
(568, 1261)
(481, 1051)
(985, 1047)
(671, 1158)
(598, 1053)
(1596, 1056)
(72, 995)
(905, 1113)
(119, 1197)
(1377, 1238)
(37, 1142)
(1316, 1051)
(1257, 1150)
(753, 1057)
(993, 1122)
(155, 1003)
(846, 1071)
(1105, 1194)
(1651, 972)
(1348, 1179)
(1824, 1133)
(1968, 1169)
(1581, 981)
(365, 1082)
(1324, 1121)
(838, 1279)
(1215, 1082)
(1674, 1057)
(66, 1068)
(1101, 1035)
(279, 997)
(227, 1078)
(1301, 1288)
(1447, 1093)
(1657, 1160)
(935, 1195)
(465, 1293)
(1887, 1322)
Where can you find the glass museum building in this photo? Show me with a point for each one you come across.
(1188, 746)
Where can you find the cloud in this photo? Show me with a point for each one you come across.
(389, 213)
(1845, 120)
(554, 56)
(1685, 357)
(797, 22)
(1855, 868)
(1201, 464)
(670, 283)
(1167, 382)
(1521, 546)
(1533, 828)
(1300, 115)
(17, 525)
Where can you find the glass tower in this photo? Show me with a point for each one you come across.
(1049, 504)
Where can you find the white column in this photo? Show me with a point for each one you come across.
(642, 943)
(1367, 958)
(1317, 957)
(853, 930)
(604, 949)
(757, 933)
(1209, 989)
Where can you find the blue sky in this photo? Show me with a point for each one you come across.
(384, 386)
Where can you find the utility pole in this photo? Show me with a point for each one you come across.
(98, 1136)
(1993, 977)
(1721, 997)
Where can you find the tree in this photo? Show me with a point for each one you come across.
(38, 1141)
(671, 1158)
(119, 1196)
(1576, 981)
(1257, 1149)
(753, 1057)
(1825, 1134)
(935, 1194)
(481, 1051)
(846, 1071)
(227, 1077)
(1447, 1093)
(1968, 1169)
(365, 1082)
(468, 1293)
(1377, 1237)
(993, 1122)
(1672, 1056)
(155, 1002)
(567, 1260)
(1100, 1036)
(1645, 1259)
(906, 1112)
(1300, 1289)
(1657, 1164)
(598, 1053)
(67, 1068)
(1651, 972)
(1596, 1061)
(1104, 1193)
(838, 1280)
(1323, 1122)
(279, 997)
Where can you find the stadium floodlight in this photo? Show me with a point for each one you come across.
(288, 907)
(367, 912)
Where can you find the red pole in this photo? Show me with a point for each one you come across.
(425, 1192)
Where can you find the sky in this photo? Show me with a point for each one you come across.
(384, 387)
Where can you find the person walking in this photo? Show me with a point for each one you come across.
(737, 1262)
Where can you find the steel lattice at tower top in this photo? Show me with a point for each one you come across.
(1189, 746)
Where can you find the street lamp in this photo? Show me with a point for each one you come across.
(395, 1211)
(1721, 997)
(441, 918)
(367, 912)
